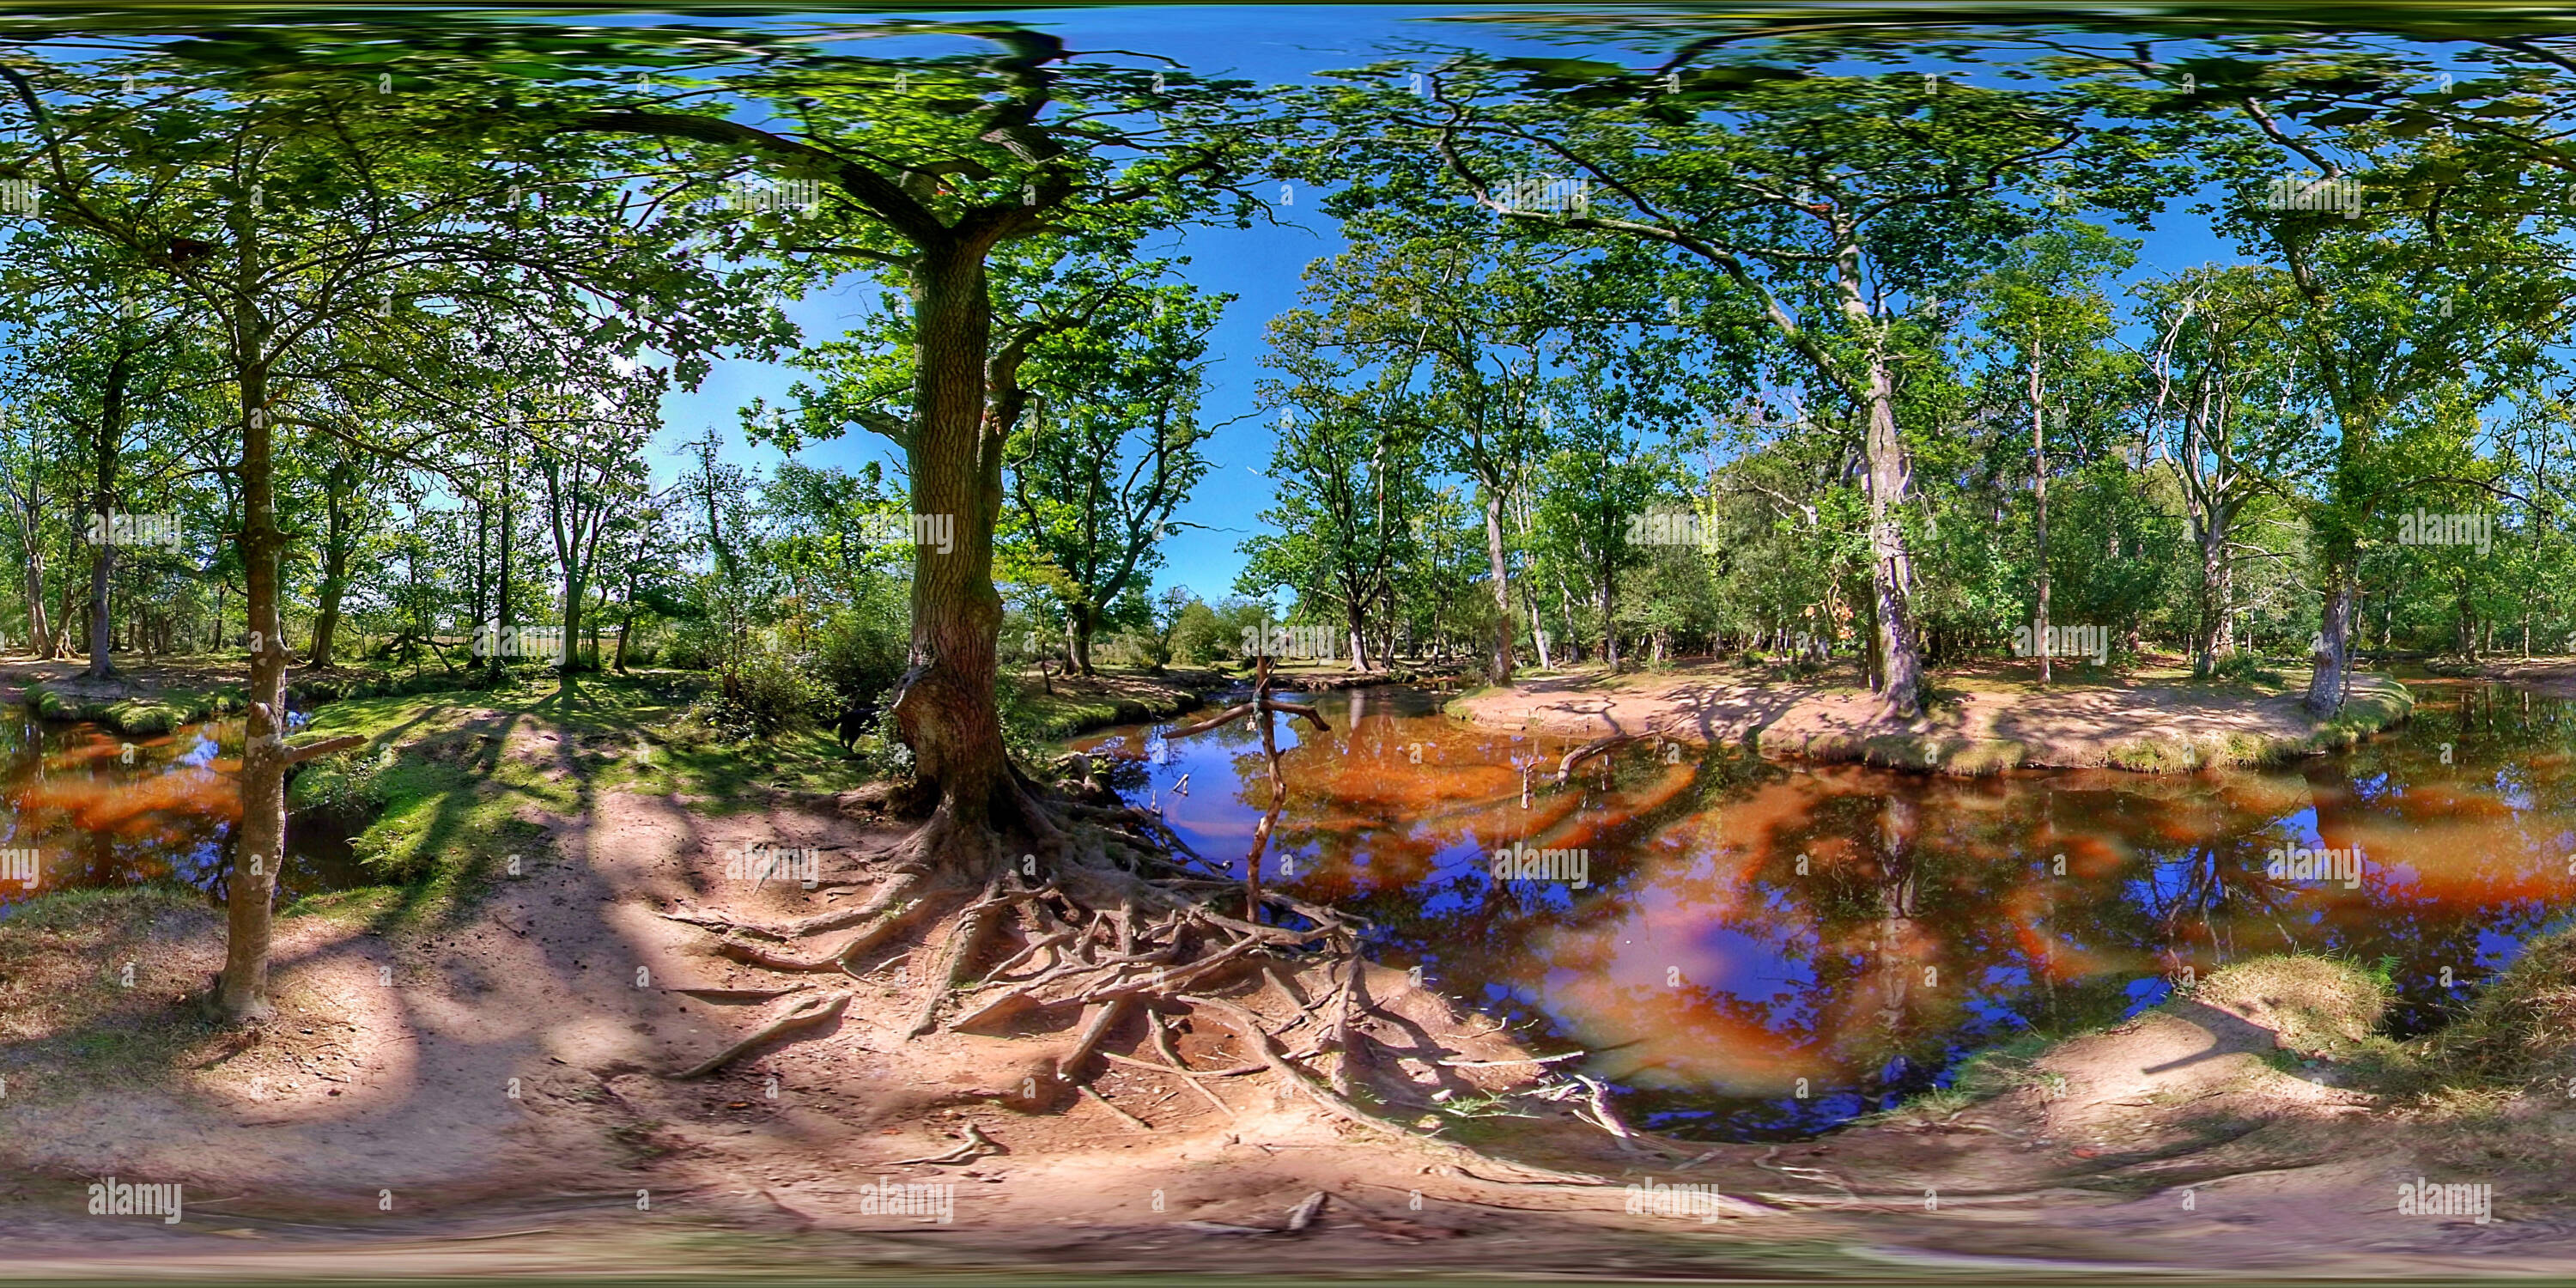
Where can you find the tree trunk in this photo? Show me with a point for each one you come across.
(501, 612)
(945, 707)
(482, 559)
(40, 637)
(336, 541)
(1080, 616)
(1501, 670)
(1609, 621)
(2039, 495)
(259, 848)
(1538, 629)
(2325, 687)
(625, 622)
(1565, 605)
(576, 597)
(2217, 596)
(64, 616)
(1891, 565)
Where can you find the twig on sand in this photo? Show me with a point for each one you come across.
(738, 994)
(1500, 1064)
(1131, 1119)
(976, 1145)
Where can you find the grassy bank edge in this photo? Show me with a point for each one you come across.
(2377, 703)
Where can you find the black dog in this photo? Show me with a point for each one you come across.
(858, 715)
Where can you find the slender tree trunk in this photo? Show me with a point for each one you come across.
(625, 621)
(501, 613)
(336, 543)
(1538, 629)
(1565, 604)
(260, 846)
(40, 638)
(2039, 496)
(482, 558)
(1501, 671)
(1609, 620)
(65, 615)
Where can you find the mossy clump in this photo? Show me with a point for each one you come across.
(2522, 1028)
(140, 714)
(144, 716)
(2317, 1006)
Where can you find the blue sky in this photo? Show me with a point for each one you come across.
(1261, 265)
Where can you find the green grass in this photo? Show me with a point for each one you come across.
(445, 805)
(96, 1031)
(143, 714)
(1995, 1071)
(1053, 717)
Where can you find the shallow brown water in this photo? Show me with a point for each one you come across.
(95, 815)
(1762, 949)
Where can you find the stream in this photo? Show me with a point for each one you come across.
(1758, 950)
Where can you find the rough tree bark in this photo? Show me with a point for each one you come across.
(945, 707)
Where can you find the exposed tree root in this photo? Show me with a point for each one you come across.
(813, 1012)
(1248, 1024)
(1069, 1067)
(888, 924)
(954, 955)
(1107, 910)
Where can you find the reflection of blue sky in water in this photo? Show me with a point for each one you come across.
(1710, 974)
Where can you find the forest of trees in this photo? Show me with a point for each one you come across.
(325, 347)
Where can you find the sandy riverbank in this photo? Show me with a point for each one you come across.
(1984, 719)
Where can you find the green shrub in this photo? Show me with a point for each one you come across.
(344, 783)
(770, 690)
(861, 655)
(2245, 668)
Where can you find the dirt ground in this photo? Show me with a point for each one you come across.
(1985, 718)
(490, 1097)
(2552, 676)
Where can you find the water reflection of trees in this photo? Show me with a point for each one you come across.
(98, 821)
(1905, 874)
